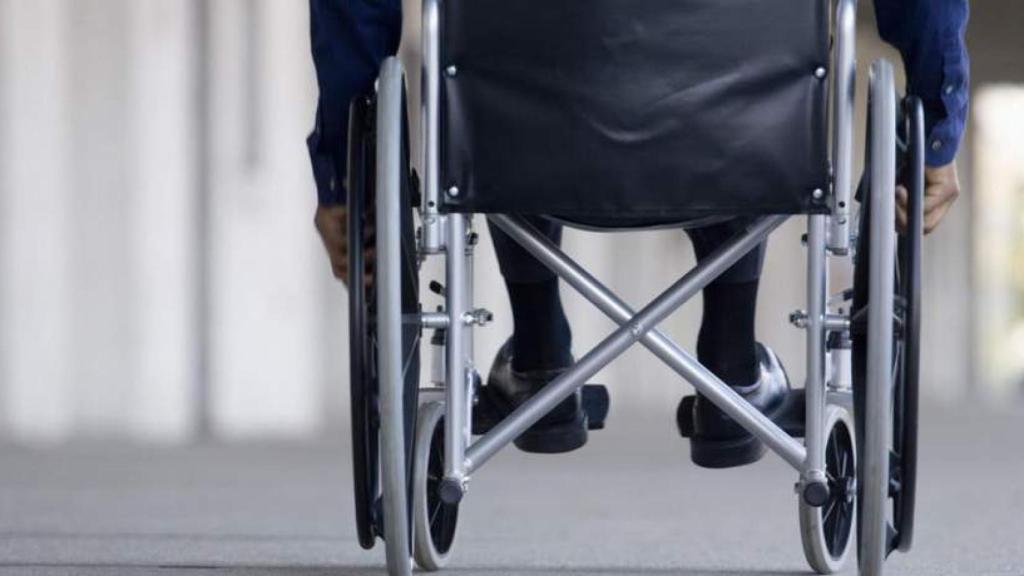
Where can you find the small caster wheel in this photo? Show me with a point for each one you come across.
(827, 531)
(434, 521)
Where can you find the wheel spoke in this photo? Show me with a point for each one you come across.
(837, 531)
(409, 360)
(446, 519)
(831, 508)
(437, 526)
(833, 448)
(437, 530)
(859, 316)
(437, 508)
(829, 526)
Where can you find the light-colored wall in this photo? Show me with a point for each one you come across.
(95, 249)
(102, 252)
(128, 301)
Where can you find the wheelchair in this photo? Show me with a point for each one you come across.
(608, 114)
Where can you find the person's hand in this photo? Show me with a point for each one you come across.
(941, 189)
(332, 224)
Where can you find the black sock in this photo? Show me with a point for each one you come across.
(726, 342)
(542, 339)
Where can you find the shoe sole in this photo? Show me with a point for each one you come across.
(554, 438)
(545, 437)
(726, 453)
(730, 452)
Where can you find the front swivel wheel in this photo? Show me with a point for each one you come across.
(827, 531)
(434, 521)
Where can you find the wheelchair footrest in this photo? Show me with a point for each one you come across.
(596, 405)
(790, 418)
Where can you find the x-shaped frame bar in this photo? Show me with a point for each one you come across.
(636, 327)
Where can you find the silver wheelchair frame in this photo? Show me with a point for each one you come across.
(448, 235)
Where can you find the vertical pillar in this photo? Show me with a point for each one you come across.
(35, 338)
(266, 265)
(166, 242)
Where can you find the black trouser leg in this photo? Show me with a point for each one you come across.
(726, 343)
(541, 336)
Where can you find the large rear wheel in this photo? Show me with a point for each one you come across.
(396, 280)
(873, 317)
(886, 328)
(364, 322)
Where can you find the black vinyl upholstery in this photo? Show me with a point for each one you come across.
(651, 109)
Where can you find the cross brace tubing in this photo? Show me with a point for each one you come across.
(634, 327)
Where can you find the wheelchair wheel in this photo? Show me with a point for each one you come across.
(905, 399)
(885, 332)
(364, 323)
(827, 531)
(434, 521)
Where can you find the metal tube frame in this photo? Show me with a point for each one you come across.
(632, 328)
(447, 234)
(432, 236)
(456, 401)
(843, 92)
(813, 470)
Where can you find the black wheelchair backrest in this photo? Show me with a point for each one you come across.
(652, 108)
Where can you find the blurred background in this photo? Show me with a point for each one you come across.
(161, 280)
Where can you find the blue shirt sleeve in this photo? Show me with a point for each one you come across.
(349, 40)
(929, 35)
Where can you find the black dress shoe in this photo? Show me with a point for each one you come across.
(716, 440)
(563, 429)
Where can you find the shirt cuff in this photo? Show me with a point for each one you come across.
(942, 142)
(329, 190)
(946, 108)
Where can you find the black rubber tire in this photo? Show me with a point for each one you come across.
(908, 380)
(903, 463)
(363, 383)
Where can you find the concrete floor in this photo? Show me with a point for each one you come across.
(629, 503)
